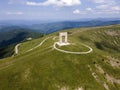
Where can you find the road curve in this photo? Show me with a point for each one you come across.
(16, 48)
(39, 44)
(70, 52)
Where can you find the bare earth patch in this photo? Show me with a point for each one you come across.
(106, 86)
(79, 88)
(113, 62)
(113, 32)
(94, 74)
(112, 79)
(108, 77)
(99, 69)
(63, 88)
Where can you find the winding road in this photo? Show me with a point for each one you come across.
(39, 44)
(64, 51)
(17, 51)
(54, 46)
(16, 48)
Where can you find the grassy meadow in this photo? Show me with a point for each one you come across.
(44, 68)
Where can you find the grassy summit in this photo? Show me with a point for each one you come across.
(44, 68)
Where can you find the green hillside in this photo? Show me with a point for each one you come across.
(10, 36)
(39, 66)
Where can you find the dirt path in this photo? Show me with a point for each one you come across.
(16, 48)
(17, 51)
(39, 44)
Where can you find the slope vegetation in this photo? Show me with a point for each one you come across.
(38, 66)
(10, 36)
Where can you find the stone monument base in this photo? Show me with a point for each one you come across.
(63, 43)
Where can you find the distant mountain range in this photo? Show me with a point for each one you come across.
(47, 27)
(56, 26)
(13, 34)
(10, 33)
(31, 22)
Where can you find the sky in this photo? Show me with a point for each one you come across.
(58, 9)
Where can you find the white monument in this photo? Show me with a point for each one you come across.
(63, 39)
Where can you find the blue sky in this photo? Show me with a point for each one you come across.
(58, 9)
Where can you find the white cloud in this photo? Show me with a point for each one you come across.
(76, 11)
(89, 9)
(108, 12)
(108, 8)
(14, 13)
(102, 6)
(86, 11)
(104, 1)
(55, 2)
(117, 8)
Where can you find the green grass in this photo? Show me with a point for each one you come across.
(47, 69)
